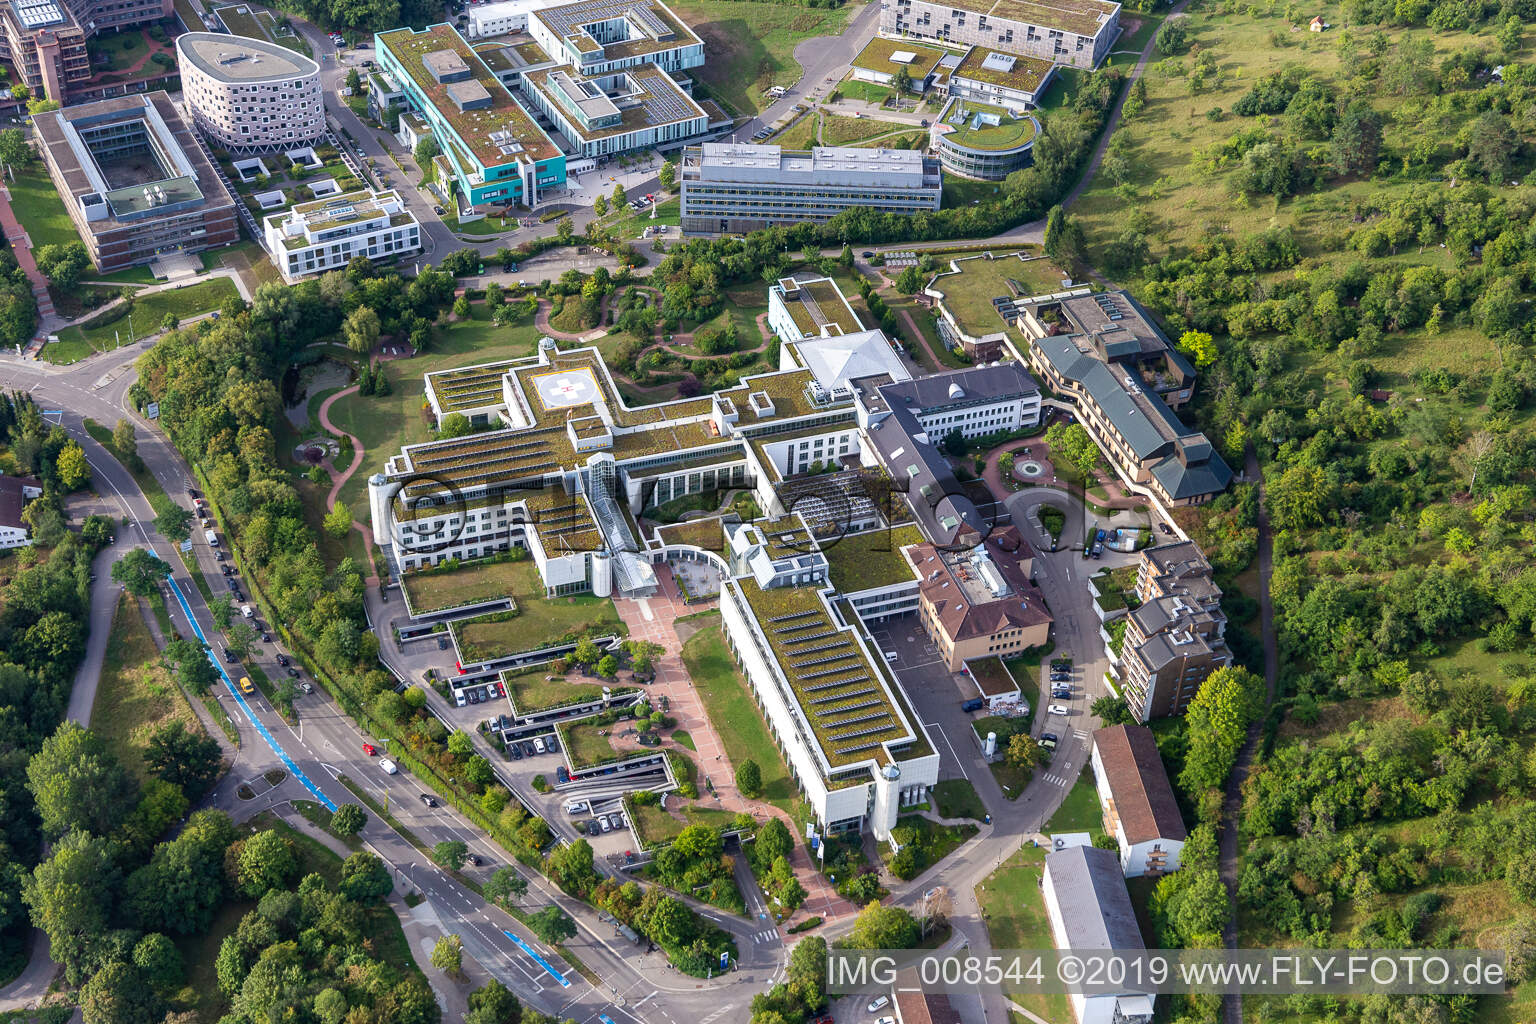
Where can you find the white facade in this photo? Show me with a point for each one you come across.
(315, 237)
(669, 113)
(580, 34)
(15, 492)
(1079, 920)
(250, 95)
(980, 420)
(798, 454)
(14, 537)
(502, 19)
(1164, 851)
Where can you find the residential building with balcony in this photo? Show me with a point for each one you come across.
(729, 188)
(1102, 352)
(493, 149)
(44, 40)
(1176, 638)
(135, 180)
(1077, 33)
(249, 95)
(1137, 800)
(327, 234)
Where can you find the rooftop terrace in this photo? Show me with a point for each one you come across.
(497, 134)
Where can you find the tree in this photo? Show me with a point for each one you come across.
(910, 280)
(1023, 751)
(266, 862)
(348, 820)
(1005, 463)
(1173, 37)
(461, 307)
(159, 962)
(73, 471)
(571, 868)
(361, 329)
(749, 779)
(174, 524)
(493, 1003)
(1301, 497)
(451, 854)
(14, 151)
(478, 771)
(1064, 241)
(1217, 721)
(448, 955)
(140, 572)
(901, 81)
(354, 82)
(667, 176)
(187, 759)
(552, 925)
(600, 205)
(364, 878)
(1112, 711)
(118, 994)
(507, 886)
(71, 897)
(455, 424)
(882, 927)
(1491, 144)
(1356, 142)
(426, 150)
(616, 199)
(63, 264)
(1199, 346)
(586, 652)
(607, 666)
(79, 784)
(126, 442)
(338, 521)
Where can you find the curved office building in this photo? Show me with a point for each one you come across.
(249, 95)
(975, 140)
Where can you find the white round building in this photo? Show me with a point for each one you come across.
(249, 95)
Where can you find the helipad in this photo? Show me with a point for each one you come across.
(562, 389)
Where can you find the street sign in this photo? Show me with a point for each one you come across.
(725, 960)
(152, 410)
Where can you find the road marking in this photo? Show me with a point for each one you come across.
(537, 959)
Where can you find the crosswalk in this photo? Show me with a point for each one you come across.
(1062, 776)
(766, 935)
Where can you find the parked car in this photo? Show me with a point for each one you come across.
(528, 750)
(192, 493)
(516, 751)
(429, 799)
(459, 699)
(974, 704)
(867, 254)
(1059, 709)
(266, 637)
(879, 1004)
(282, 659)
(474, 696)
(551, 744)
(562, 774)
(439, 210)
(1061, 693)
(602, 823)
(575, 807)
(538, 745)
(1165, 528)
(442, 643)
(306, 688)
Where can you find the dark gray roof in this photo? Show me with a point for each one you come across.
(1186, 481)
(979, 385)
(1090, 892)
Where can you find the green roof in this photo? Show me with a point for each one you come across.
(876, 56)
(1027, 75)
(1081, 17)
(873, 558)
(1010, 133)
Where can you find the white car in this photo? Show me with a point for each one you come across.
(388, 766)
(879, 1004)
(886, 1020)
(1059, 709)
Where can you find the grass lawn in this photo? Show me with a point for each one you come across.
(39, 208)
(1008, 133)
(969, 294)
(869, 92)
(125, 324)
(1079, 812)
(586, 744)
(734, 714)
(963, 192)
(384, 424)
(538, 622)
(136, 695)
(569, 318)
(936, 841)
(751, 45)
(657, 826)
(957, 798)
(1014, 911)
(845, 131)
(240, 22)
(534, 689)
(634, 222)
(800, 136)
(861, 561)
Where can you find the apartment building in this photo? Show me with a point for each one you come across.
(44, 40)
(1077, 33)
(728, 188)
(312, 238)
(15, 493)
(493, 149)
(1103, 352)
(980, 601)
(1177, 637)
(249, 95)
(135, 180)
(1137, 800)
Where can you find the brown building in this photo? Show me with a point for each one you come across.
(980, 601)
(1137, 800)
(913, 1007)
(135, 180)
(44, 40)
(1177, 637)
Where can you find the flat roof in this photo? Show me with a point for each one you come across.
(1025, 74)
(879, 52)
(1082, 17)
(653, 100)
(497, 135)
(982, 126)
(239, 59)
(824, 165)
(652, 26)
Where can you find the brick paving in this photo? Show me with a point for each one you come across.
(654, 619)
(21, 245)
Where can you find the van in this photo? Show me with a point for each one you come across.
(538, 744)
(389, 767)
(246, 686)
(247, 612)
(575, 807)
(891, 656)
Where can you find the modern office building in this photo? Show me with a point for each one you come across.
(736, 187)
(492, 148)
(595, 37)
(1103, 352)
(637, 107)
(1137, 800)
(249, 95)
(1001, 79)
(312, 238)
(883, 60)
(1077, 33)
(135, 180)
(508, 17)
(981, 141)
(980, 601)
(44, 40)
(1176, 637)
(1089, 909)
(819, 330)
